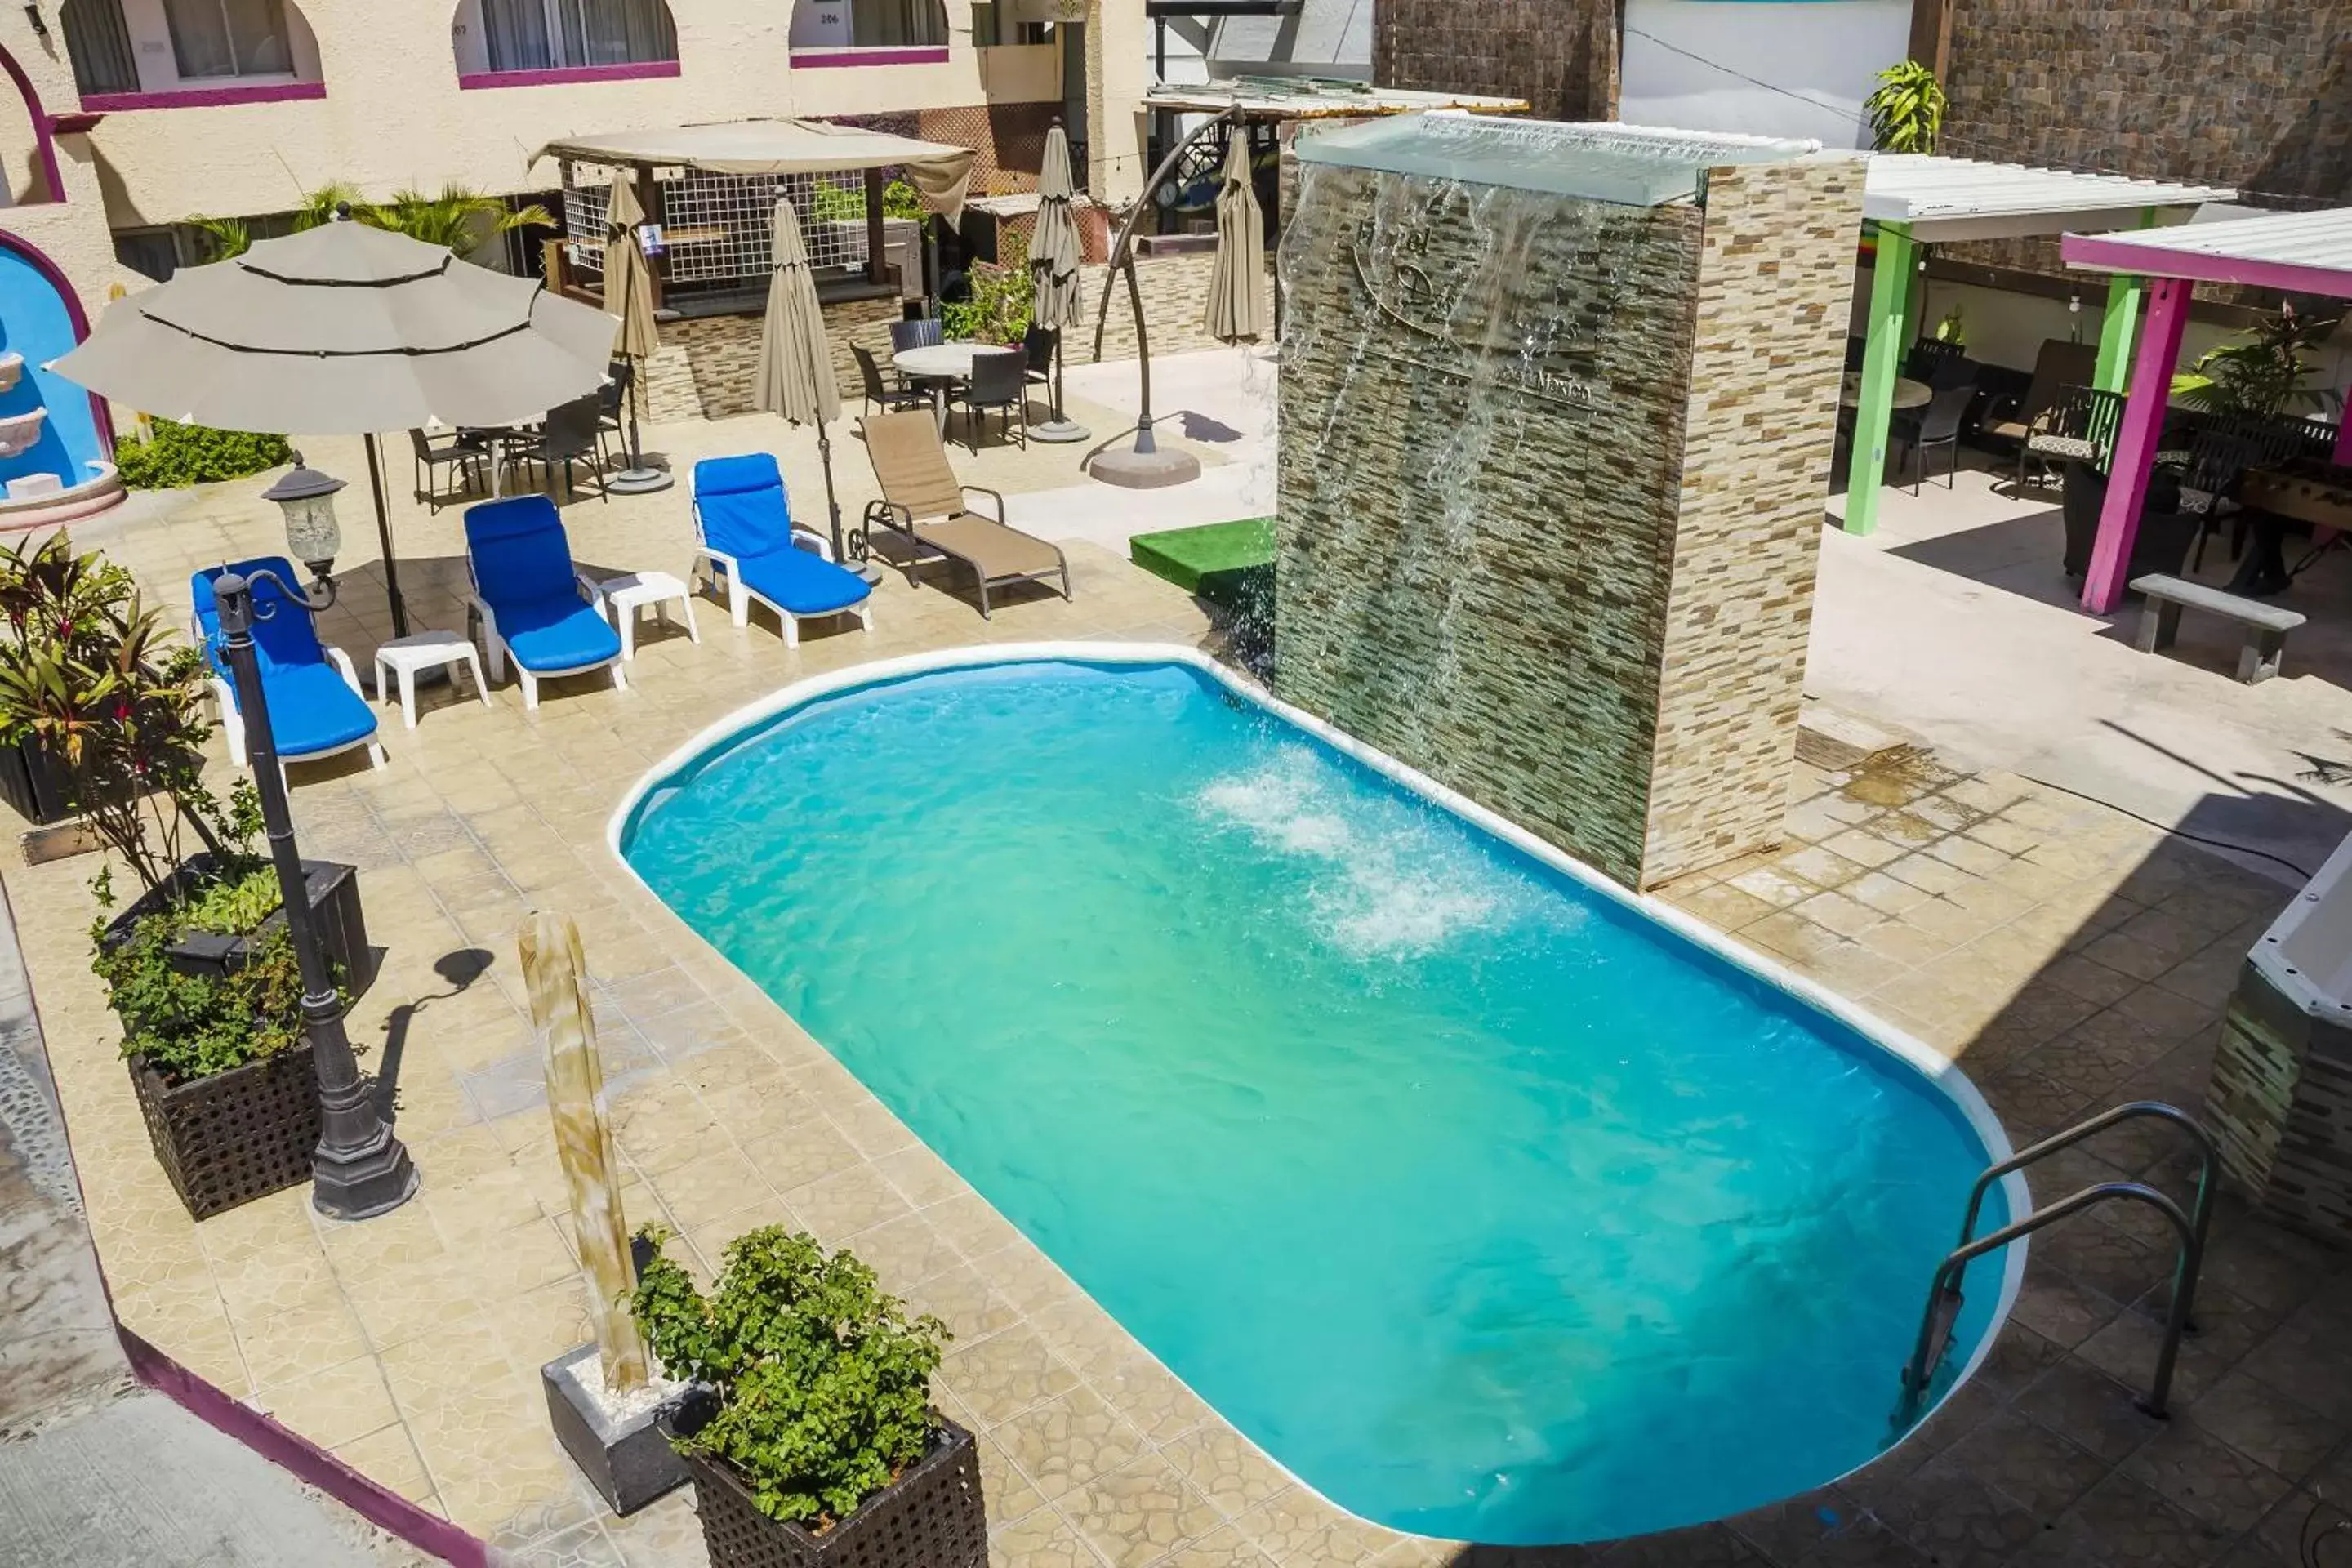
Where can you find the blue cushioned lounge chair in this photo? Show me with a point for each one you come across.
(535, 606)
(316, 707)
(744, 535)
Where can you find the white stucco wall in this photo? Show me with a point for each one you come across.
(1766, 67)
(394, 115)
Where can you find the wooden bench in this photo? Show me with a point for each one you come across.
(2266, 624)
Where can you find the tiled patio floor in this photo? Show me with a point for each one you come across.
(2062, 952)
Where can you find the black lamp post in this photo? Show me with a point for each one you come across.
(360, 1168)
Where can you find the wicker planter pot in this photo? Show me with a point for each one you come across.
(930, 1516)
(237, 1135)
(335, 911)
(33, 782)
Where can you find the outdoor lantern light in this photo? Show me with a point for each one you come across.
(312, 535)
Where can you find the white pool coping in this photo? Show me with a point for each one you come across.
(1938, 1069)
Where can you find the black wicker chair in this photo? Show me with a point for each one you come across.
(923, 333)
(887, 389)
(1001, 381)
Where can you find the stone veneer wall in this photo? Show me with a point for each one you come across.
(2280, 1106)
(1776, 274)
(703, 368)
(1482, 596)
(1559, 55)
(2251, 93)
(1574, 584)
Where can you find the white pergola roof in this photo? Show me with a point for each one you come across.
(1948, 199)
(2309, 252)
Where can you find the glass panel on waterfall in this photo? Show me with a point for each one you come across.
(228, 38)
(1625, 164)
(99, 45)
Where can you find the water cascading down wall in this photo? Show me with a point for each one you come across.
(1557, 405)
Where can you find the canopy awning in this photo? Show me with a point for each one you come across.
(1945, 200)
(939, 170)
(2308, 253)
(1315, 97)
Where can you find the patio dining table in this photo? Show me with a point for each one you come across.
(1908, 394)
(940, 366)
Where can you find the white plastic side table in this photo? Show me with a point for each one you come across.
(404, 656)
(625, 597)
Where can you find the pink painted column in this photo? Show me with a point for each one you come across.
(2136, 442)
(2344, 435)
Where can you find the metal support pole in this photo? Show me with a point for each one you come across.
(360, 1168)
(2136, 438)
(878, 264)
(2117, 323)
(1881, 361)
(384, 536)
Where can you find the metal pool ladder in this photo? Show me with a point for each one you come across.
(1944, 1296)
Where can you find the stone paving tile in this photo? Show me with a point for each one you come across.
(2065, 956)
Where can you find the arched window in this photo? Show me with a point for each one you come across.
(502, 38)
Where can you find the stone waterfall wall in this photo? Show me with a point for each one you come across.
(1544, 487)
(1775, 273)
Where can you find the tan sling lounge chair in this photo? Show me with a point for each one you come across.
(923, 503)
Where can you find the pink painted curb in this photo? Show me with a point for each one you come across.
(291, 1451)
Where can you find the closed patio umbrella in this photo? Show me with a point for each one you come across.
(1055, 253)
(1236, 300)
(345, 329)
(629, 294)
(795, 376)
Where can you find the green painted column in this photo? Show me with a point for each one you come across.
(1882, 362)
(2119, 324)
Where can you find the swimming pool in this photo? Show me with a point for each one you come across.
(1485, 1199)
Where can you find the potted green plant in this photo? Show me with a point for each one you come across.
(810, 1435)
(2262, 372)
(198, 966)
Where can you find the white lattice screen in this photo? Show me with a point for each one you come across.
(717, 227)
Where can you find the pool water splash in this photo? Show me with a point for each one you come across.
(1383, 879)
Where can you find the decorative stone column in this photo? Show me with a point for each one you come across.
(1558, 406)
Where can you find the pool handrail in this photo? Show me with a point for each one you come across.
(1944, 1293)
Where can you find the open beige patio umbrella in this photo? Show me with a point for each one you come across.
(1236, 300)
(629, 294)
(795, 376)
(345, 329)
(1055, 254)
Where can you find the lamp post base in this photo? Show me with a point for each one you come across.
(375, 1180)
(1060, 431)
(1146, 470)
(639, 481)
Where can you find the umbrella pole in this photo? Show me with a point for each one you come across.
(384, 533)
(637, 479)
(1061, 426)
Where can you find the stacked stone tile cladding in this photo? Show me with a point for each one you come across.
(2280, 1106)
(1559, 55)
(703, 369)
(1776, 272)
(2251, 93)
(1572, 582)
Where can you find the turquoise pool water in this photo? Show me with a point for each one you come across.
(1491, 1208)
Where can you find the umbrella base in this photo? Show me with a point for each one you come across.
(1146, 470)
(1060, 431)
(639, 481)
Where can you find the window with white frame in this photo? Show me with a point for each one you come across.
(213, 38)
(556, 35)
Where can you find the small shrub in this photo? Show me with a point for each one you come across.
(190, 1025)
(1003, 296)
(234, 905)
(823, 1382)
(178, 456)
